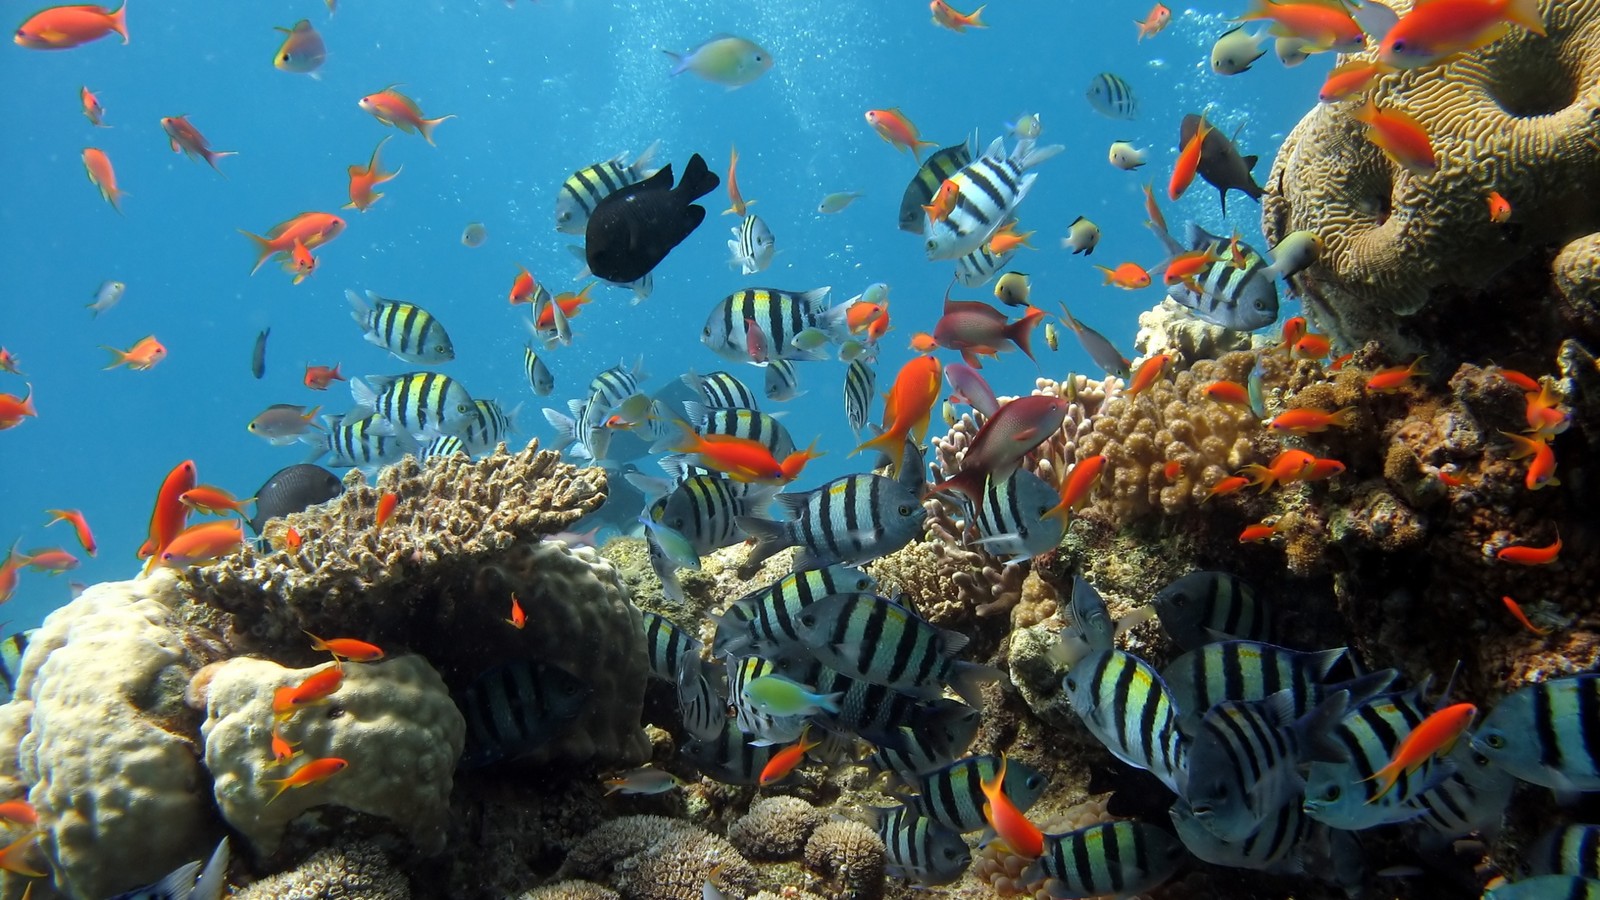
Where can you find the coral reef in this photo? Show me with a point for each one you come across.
(392, 721)
(571, 890)
(357, 870)
(1170, 328)
(1521, 117)
(656, 858)
(849, 857)
(774, 828)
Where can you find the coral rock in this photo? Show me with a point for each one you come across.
(774, 828)
(850, 857)
(656, 858)
(358, 870)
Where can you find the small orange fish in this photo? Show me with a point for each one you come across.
(63, 27)
(363, 180)
(291, 539)
(1129, 276)
(14, 858)
(1499, 208)
(393, 108)
(14, 409)
(140, 357)
(319, 377)
(1449, 479)
(1400, 137)
(1260, 531)
(1229, 392)
(744, 460)
(169, 515)
(1320, 26)
(1147, 373)
(1172, 470)
(1009, 823)
(214, 500)
(347, 648)
(523, 287)
(1182, 269)
(319, 685)
(1294, 328)
(10, 572)
(946, 16)
(1076, 486)
(282, 750)
(908, 408)
(784, 761)
(923, 343)
(1433, 736)
(1524, 555)
(98, 166)
(734, 197)
(312, 772)
(1312, 346)
(1006, 239)
(187, 139)
(878, 327)
(202, 544)
(1339, 361)
(1545, 415)
(569, 304)
(944, 201)
(1227, 486)
(1286, 468)
(861, 314)
(1516, 610)
(79, 525)
(386, 505)
(893, 126)
(1320, 469)
(1188, 163)
(92, 110)
(53, 560)
(1435, 32)
(313, 229)
(1151, 210)
(1542, 466)
(1312, 421)
(20, 812)
(1350, 79)
(1526, 383)
(1392, 379)
(519, 619)
(1160, 17)
(9, 362)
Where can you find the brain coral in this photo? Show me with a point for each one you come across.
(1521, 117)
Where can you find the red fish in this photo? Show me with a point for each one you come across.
(169, 515)
(300, 262)
(1227, 486)
(63, 27)
(20, 812)
(893, 126)
(79, 524)
(53, 560)
(1229, 392)
(1319, 469)
(14, 409)
(1433, 736)
(523, 287)
(291, 539)
(319, 377)
(347, 648)
(1129, 276)
(202, 544)
(1350, 79)
(1312, 421)
(1523, 382)
(1076, 486)
(977, 329)
(140, 357)
(364, 180)
(1542, 466)
(1437, 31)
(1159, 18)
(317, 686)
(1400, 137)
(1188, 163)
(1172, 470)
(282, 750)
(393, 108)
(1007, 239)
(519, 619)
(742, 459)
(1392, 379)
(1524, 555)
(1311, 346)
(14, 858)
(1320, 26)
(1287, 467)
(1499, 208)
(386, 505)
(187, 139)
(1260, 531)
(214, 500)
(310, 773)
(313, 229)
(92, 110)
(10, 572)
(569, 304)
(907, 409)
(944, 201)
(1015, 429)
(784, 761)
(1294, 328)
(1545, 415)
(1147, 373)
(739, 204)
(1516, 610)
(98, 166)
(1009, 824)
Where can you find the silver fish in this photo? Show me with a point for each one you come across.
(988, 191)
(1241, 298)
(417, 403)
(720, 390)
(1099, 349)
(850, 520)
(666, 644)
(1202, 606)
(1124, 703)
(1547, 733)
(585, 188)
(1110, 95)
(859, 381)
(359, 440)
(107, 295)
(752, 246)
(783, 382)
(540, 380)
(953, 796)
(782, 317)
(919, 848)
(1123, 858)
(404, 329)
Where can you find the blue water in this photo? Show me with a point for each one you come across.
(539, 89)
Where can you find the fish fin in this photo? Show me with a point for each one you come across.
(426, 126)
(698, 180)
(1324, 660)
(770, 537)
(565, 429)
(1315, 729)
(641, 163)
(968, 678)
(214, 877)
(1522, 12)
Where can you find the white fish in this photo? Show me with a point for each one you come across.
(1082, 236)
(1125, 156)
(1291, 51)
(1237, 50)
(836, 202)
(1112, 97)
(752, 246)
(109, 294)
(989, 189)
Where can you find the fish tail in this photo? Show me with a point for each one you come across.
(698, 180)
(426, 127)
(679, 63)
(770, 537)
(974, 21)
(213, 155)
(889, 444)
(118, 357)
(1021, 331)
(1526, 14)
(264, 249)
(1345, 418)
(967, 482)
(119, 21)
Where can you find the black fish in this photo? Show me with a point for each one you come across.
(258, 356)
(514, 708)
(292, 490)
(632, 230)
(1220, 163)
(945, 162)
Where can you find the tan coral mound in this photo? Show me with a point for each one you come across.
(656, 858)
(1521, 117)
(357, 870)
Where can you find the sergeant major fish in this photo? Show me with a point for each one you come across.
(953, 796)
(1111, 96)
(1238, 294)
(786, 318)
(940, 166)
(584, 189)
(988, 191)
(919, 848)
(404, 329)
(416, 402)
(1124, 703)
(517, 707)
(859, 380)
(752, 246)
(1123, 858)
(359, 440)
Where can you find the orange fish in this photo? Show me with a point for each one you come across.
(319, 685)
(1076, 486)
(1392, 379)
(169, 515)
(310, 773)
(1286, 468)
(1010, 825)
(1129, 276)
(784, 761)
(363, 180)
(213, 500)
(1320, 469)
(1339, 361)
(14, 409)
(291, 539)
(734, 197)
(1172, 470)
(894, 127)
(1516, 610)
(202, 544)
(569, 303)
(1499, 208)
(1545, 415)
(347, 648)
(1229, 392)
(1433, 736)
(10, 572)
(944, 201)
(1151, 210)
(923, 342)
(63, 27)
(1350, 79)
(9, 362)
(519, 619)
(92, 110)
(1227, 486)
(1312, 421)
(1006, 239)
(319, 377)
(19, 811)
(1185, 266)
(1319, 26)
(878, 327)
(98, 166)
(1450, 480)
(1159, 17)
(53, 560)
(1147, 373)
(1523, 382)
(1439, 30)
(187, 139)
(313, 229)
(1188, 163)
(79, 524)
(1524, 555)
(1260, 531)
(742, 459)
(1294, 328)
(391, 107)
(14, 858)
(300, 262)
(386, 505)
(907, 408)
(861, 314)
(282, 750)
(140, 357)
(1312, 346)
(1400, 137)
(1542, 466)
(946, 16)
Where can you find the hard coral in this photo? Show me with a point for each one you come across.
(358, 870)
(1520, 116)
(850, 858)
(774, 828)
(656, 858)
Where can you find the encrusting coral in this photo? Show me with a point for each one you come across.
(357, 870)
(1521, 117)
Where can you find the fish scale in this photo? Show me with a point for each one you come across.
(729, 758)
(701, 705)
(585, 188)
(1125, 704)
(768, 728)
(953, 796)
(705, 508)
(404, 329)
(849, 520)
(939, 732)
(1122, 858)
(363, 441)
(1269, 848)
(872, 711)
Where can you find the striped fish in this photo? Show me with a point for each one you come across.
(782, 316)
(1566, 850)
(1112, 96)
(728, 757)
(442, 447)
(942, 164)
(513, 709)
(1342, 796)
(1472, 800)
(783, 382)
(1124, 703)
(1241, 295)
(540, 380)
(489, 426)
(976, 268)
(404, 329)
(745, 423)
(583, 430)
(763, 621)
(705, 509)
(873, 638)
(918, 848)
(721, 390)
(1245, 671)
(1010, 519)
(1272, 848)
(752, 246)
(1090, 627)
(953, 796)
(1244, 761)
(764, 727)
(859, 384)
(416, 403)
(851, 520)
(1114, 858)
(616, 384)
(875, 712)
(585, 188)
(941, 732)
(1203, 606)
(1547, 733)
(667, 645)
(364, 441)
(702, 705)
(989, 189)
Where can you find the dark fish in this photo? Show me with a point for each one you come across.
(292, 490)
(1220, 163)
(514, 708)
(632, 230)
(188, 881)
(258, 356)
(944, 163)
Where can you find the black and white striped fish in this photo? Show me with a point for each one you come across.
(1238, 294)
(795, 325)
(1205, 606)
(988, 191)
(851, 520)
(859, 384)
(918, 848)
(705, 508)
(1114, 858)
(764, 621)
(1123, 702)
(443, 447)
(359, 441)
(953, 796)
(614, 385)
(1246, 671)
(1472, 800)
(728, 757)
(873, 638)
(585, 188)
(783, 382)
(702, 702)
(1345, 795)
(582, 429)
(540, 379)
(764, 727)
(513, 709)
(1272, 848)
(752, 246)
(1111, 96)
(721, 390)
(937, 735)
(1547, 733)
(940, 165)
(489, 426)
(1566, 850)
(976, 268)
(1011, 520)
(416, 403)
(667, 645)
(404, 329)
(873, 712)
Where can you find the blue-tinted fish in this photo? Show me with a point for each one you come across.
(702, 706)
(488, 426)
(258, 355)
(850, 520)
(107, 295)
(359, 440)
(1099, 349)
(783, 382)
(918, 848)
(1566, 850)
(540, 379)
(1345, 795)
(752, 246)
(940, 734)
(1245, 671)
(404, 329)
(1121, 858)
(443, 446)
(953, 796)
(667, 644)
(1546, 887)
(1547, 733)
(875, 639)
(1206, 606)
(1239, 294)
(1272, 848)
(1090, 627)
(189, 881)
(729, 757)
(1010, 519)
(988, 191)
(765, 621)
(721, 390)
(583, 431)
(782, 316)
(1123, 702)
(514, 708)
(1111, 96)
(705, 508)
(1472, 800)
(585, 188)
(976, 268)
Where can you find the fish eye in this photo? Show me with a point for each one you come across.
(905, 510)
(933, 245)
(1399, 46)
(1331, 794)
(1495, 742)
(1261, 306)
